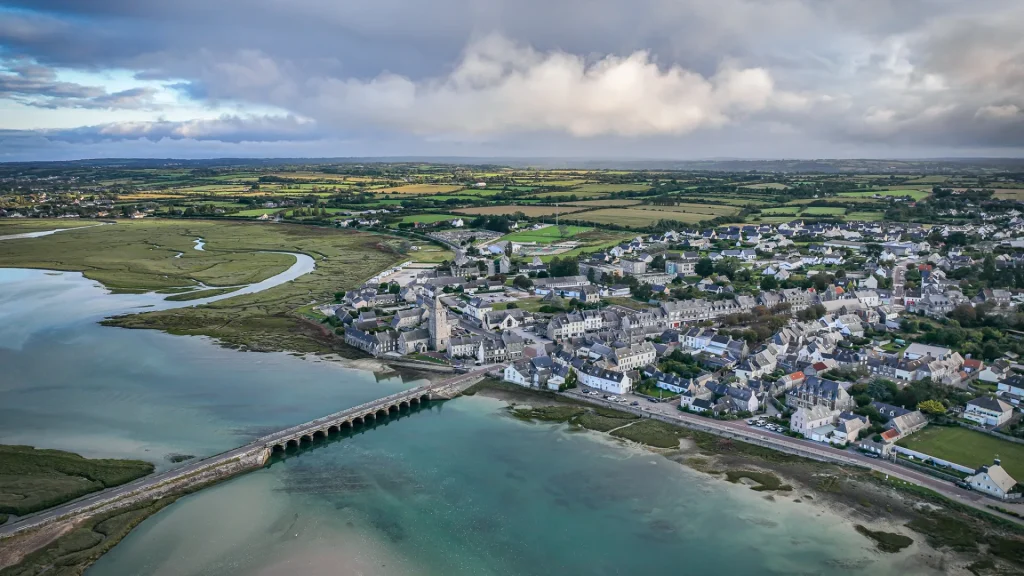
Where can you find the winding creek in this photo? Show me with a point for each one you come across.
(459, 488)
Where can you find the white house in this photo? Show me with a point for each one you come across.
(988, 411)
(519, 373)
(806, 419)
(596, 377)
(992, 480)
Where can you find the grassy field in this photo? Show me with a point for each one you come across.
(139, 255)
(866, 216)
(530, 211)
(603, 203)
(10, 226)
(429, 218)
(711, 210)
(570, 195)
(33, 480)
(420, 189)
(915, 194)
(781, 211)
(967, 447)
(768, 185)
(547, 235)
(638, 218)
(608, 188)
(823, 211)
(257, 212)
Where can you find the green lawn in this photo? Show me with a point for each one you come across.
(967, 447)
(547, 235)
(429, 218)
(865, 216)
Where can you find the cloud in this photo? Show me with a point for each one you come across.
(605, 75)
(232, 129)
(29, 83)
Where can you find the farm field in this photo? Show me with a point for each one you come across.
(429, 218)
(915, 194)
(547, 235)
(967, 447)
(257, 212)
(603, 203)
(529, 211)
(781, 211)
(1009, 194)
(712, 210)
(608, 188)
(770, 185)
(866, 216)
(823, 211)
(637, 218)
(567, 194)
(420, 189)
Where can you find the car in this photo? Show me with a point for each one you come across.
(872, 455)
(750, 422)
(634, 403)
(760, 424)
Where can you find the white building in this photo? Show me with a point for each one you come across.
(988, 411)
(596, 377)
(806, 419)
(992, 480)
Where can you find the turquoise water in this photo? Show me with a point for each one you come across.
(456, 488)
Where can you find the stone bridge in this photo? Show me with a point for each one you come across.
(374, 410)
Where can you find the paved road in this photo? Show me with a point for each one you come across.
(91, 500)
(742, 429)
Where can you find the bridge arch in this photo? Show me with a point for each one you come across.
(319, 434)
(277, 448)
(333, 429)
(293, 443)
(393, 408)
(306, 438)
(425, 398)
(381, 413)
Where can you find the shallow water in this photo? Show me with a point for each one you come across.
(456, 488)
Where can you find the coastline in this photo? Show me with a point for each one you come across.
(859, 497)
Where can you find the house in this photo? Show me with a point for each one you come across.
(594, 376)
(988, 411)
(1012, 389)
(819, 392)
(992, 480)
(806, 419)
(995, 372)
(848, 428)
(907, 423)
(916, 351)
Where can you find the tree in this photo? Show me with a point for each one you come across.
(705, 267)
(592, 275)
(933, 407)
(570, 380)
(522, 282)
(769, 283)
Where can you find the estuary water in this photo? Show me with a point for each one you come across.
(452, 489)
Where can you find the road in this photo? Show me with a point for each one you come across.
(448, 386)
(739, 428)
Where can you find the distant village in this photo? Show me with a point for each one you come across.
(669, 317)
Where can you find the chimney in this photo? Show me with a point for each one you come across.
(996, 462)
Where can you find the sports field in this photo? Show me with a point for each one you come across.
(967, 447)
(547, 235)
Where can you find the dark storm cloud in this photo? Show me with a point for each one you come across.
(848, 72)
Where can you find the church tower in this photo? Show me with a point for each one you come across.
(440, 331)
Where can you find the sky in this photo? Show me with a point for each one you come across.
(601, 79)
